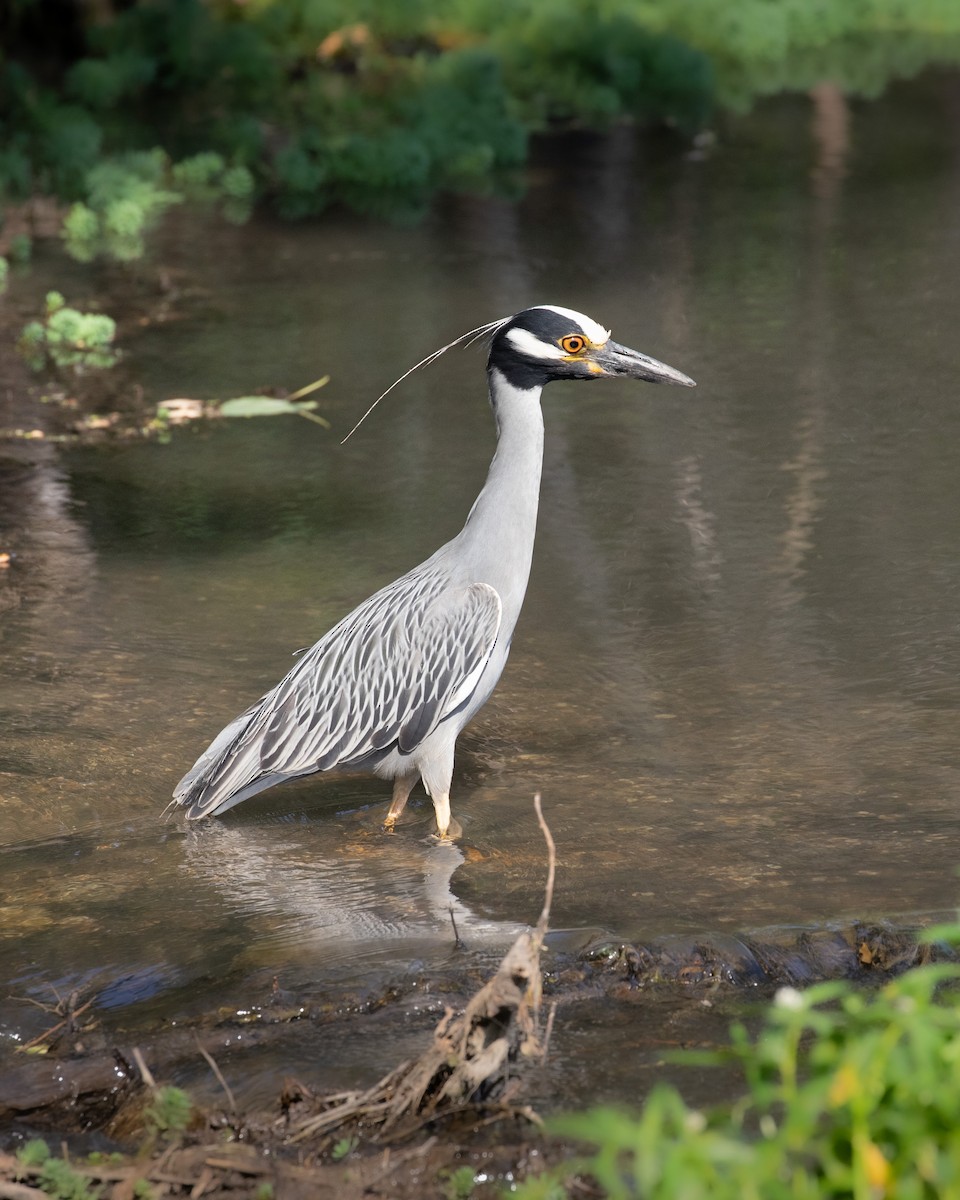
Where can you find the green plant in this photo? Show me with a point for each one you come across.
(21, 248)
(4, 274)
(264, 1191)
(343, 1147)
(58, 1179)
(169, 1111)
(460, 1183)
(34, 1154)
(850, 1094)
(55, 1176)
(97, 1158)
(125, 196)
(69, 339)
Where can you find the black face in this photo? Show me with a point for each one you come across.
(536, 359)
(539, 345)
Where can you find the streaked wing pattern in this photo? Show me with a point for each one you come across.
(387, 674)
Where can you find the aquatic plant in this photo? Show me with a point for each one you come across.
(69, 339)
(126, 195)
(849, 1094)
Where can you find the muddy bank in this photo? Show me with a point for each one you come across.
(84, 1080)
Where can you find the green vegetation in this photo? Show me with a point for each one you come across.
(125, 196)
(68, 339)
(378, 104)
(169, 1112)
(850, 1094)
(55, 1176)
(459, 1184)
(343, 1147)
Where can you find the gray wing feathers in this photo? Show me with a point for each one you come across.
(386, 674)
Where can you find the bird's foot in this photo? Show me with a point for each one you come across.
(452, 833)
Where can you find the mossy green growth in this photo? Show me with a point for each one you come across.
(68, 339)
(55, 1176)
(34, 1153)
(169, 1111)
(459, 1183)
(59, 1180)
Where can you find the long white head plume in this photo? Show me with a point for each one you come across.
(466, 339)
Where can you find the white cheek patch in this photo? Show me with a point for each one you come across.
(530, 345)
(595, 332)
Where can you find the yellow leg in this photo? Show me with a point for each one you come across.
(403, 785)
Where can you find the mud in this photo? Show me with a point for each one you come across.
(83, 1084)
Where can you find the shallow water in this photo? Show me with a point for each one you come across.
(735, 681)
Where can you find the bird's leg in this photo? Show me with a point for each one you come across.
(403, 785)
(447, 829)
(441, 805)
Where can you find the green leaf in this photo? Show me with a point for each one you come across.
(267, 406)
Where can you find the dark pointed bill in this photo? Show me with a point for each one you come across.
(615, 359)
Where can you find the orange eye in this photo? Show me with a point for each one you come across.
(573, 343)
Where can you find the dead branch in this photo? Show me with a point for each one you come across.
(470, 1059)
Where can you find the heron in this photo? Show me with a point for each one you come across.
(391, 686)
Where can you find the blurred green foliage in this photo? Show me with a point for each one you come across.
(125, 195)
(374, 105)
(378, 104)
(168, 1113)
(68, 339)
(758, 47)
(55, 1176)
(849, 1094)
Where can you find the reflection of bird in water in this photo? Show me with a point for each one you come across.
(307, 885)
(391, 686)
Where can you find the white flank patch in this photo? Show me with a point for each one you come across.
(595, 332)
(529, 344)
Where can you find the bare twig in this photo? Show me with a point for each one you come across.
(145, 1073)
(63, 1008)
(551, 870)
(211, 1062)
(458, 943)
(549, 1030)
(391, 1162)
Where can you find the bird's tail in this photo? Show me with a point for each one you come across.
(225, 773)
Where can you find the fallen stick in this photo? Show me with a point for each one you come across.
(469, 1061)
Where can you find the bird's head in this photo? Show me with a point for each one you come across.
(545, 343)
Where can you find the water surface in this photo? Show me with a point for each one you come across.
(735, 681)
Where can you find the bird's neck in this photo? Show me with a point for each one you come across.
(499, 534)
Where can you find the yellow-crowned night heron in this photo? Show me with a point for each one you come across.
(391, 686)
